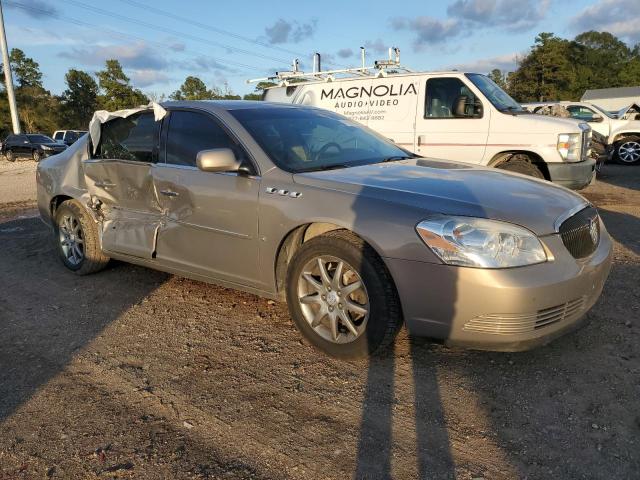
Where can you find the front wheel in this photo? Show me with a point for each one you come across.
(520, 163)
(341, 296)
(10, 156)
(627, 151)
(37, 156)
(77, 239)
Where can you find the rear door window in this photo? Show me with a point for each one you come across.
(581, 113)
(192, 132)
(442, 96)
(131, 138)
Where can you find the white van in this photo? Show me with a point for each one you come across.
(622, 130)
(448, 115)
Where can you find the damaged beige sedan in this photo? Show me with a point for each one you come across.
(358, 235)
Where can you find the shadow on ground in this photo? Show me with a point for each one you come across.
(38, 339)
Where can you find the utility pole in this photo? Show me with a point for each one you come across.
(8, 77)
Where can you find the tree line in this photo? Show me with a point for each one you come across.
(561, 69)
(554, 69)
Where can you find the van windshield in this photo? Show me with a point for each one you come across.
(498, 97)
(305, 140)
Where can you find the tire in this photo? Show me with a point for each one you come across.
(372, 332)
(37, 156)
(520, 163)
(10, 156)
(627, 151)
(77, 241)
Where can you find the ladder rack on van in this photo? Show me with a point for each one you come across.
(379, 69)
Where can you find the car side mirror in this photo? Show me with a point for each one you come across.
(596, 119)
(217, 160)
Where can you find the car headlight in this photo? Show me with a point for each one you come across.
(46, 147)
(482, 243)
(569, 146)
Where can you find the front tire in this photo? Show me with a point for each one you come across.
(520, 163)
(341, 296)
(627, 151)
(37, 156)
(10, 156)
(77, 239)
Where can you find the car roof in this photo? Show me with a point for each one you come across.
(229, 105)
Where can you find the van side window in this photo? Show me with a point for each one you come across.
(131, 138)
(192, 132)
(450, 98)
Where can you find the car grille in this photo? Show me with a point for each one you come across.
(512, 324)
(581, 232)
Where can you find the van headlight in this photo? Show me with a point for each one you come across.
(481, 243)
(569, 146)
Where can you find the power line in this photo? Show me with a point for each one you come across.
(124, 35)
(204, 26)
(170, 31)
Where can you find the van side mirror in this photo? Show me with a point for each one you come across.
(461, 107)
(217, 160)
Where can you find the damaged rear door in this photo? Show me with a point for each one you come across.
(119, 177)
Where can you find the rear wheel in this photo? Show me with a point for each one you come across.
(77, 239)
(10, 156)
(37, 156)
(341, 296)
(627, 151)
(521, 163)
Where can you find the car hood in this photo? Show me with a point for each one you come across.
(451, 188)
(538, 123)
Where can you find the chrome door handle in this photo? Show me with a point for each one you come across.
(169, 193)
(104, 184)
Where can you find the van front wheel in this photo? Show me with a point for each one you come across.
(521, 163)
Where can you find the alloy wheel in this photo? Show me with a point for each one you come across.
(629, 152)
(71, 239)
(333, 299)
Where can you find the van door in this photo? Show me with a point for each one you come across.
(393, 107)
(452, 122)
(211, 224)
(119, 176)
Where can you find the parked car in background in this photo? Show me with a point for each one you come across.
(621, 130)
(457, 116)
(68, 137)
(30, 145)
(357, 234)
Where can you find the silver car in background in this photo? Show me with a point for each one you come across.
(358, 235)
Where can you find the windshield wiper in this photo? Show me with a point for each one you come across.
(325, 167)
(395, 158)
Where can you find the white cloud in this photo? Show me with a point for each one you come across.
(136, 55)
(145, 77)
(619, 17)
(506, 63)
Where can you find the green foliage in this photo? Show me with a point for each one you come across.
(26, 71)
(79, 100)
(195, 89)
(498, 77)
(558, 69)
(117, 92)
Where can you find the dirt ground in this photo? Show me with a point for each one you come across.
(132, 373)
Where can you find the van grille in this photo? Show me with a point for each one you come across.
(512, 324)
(581, 232)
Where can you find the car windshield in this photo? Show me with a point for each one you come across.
(498, 97)
(303, 140)
(40, 139)
(604, 112)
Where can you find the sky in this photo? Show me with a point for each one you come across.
(160, 42)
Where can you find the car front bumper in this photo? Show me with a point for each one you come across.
(572, 175)
(501, 309)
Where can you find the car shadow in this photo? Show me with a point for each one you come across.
(623, 227)
(38, 338)
(624, 176)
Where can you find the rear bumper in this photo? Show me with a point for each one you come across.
(503, 310)
(572, 175)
